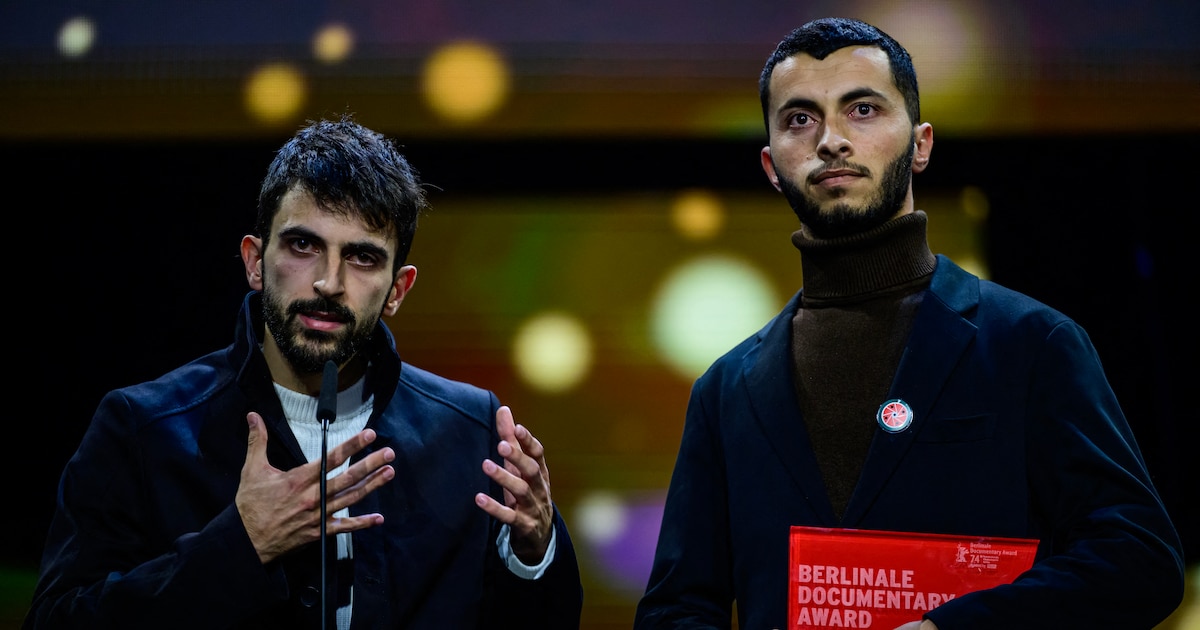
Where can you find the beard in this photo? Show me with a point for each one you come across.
(308, 350)
(843, 219)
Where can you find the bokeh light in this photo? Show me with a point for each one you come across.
(975, 203)
(620, 534)
(333, 43)
(601, 517)
(552, 352)
(275, 93)
(705, 307)
(76, 37)
(697, 214)
(465, 82)
(953, 66)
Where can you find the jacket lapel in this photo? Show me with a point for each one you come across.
(940, 335)
(770, 388)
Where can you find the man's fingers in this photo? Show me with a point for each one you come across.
(497, 510)
(516, 461)
(256, 442)
(356, 491)
(347, 449)
(353, 523)
(532, 447)
(526, 457)
(370, 465)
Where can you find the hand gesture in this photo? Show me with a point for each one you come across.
(281, 509)
(527, 508)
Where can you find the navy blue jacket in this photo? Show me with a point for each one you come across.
(1016, 433)
(146, 534)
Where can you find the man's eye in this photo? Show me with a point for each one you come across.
(864, 109)
(800, 120)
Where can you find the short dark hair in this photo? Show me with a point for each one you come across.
(821, 37)
(351, 169)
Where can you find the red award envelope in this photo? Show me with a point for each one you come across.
(858, 578)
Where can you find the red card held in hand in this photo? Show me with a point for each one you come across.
(858, 578)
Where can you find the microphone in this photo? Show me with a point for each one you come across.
(327, 402)
(326, 413)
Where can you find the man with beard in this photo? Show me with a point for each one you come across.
(897, 392)
(194, 501)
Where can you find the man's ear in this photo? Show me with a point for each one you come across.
(923, 135)
(768, 166)
(406, 276)
(252, 260)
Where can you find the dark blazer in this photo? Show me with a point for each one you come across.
(1016, 433)
(146, 535)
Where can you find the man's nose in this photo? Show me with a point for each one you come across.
(330, 282)
(833, 143)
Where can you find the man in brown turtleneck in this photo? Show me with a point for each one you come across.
(898, 392)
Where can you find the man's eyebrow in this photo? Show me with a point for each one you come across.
(355, 247)
(799, 103)
(862, 92)
(299, 231)
(846, 99)
(368, 248)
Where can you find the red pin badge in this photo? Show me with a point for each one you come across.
(894, 416)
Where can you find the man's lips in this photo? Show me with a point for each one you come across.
(834, 177)
(320, 321)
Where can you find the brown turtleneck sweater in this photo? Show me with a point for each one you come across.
(859, 298)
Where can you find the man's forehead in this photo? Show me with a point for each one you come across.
(842, 70)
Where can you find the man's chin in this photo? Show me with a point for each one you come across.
(311, 353)
(308, 363)
(843, 221)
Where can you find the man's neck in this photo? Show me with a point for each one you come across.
(891, 255)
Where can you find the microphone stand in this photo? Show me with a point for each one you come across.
(326, 412)
(324, 468)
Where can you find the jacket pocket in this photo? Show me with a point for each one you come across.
(961, 429)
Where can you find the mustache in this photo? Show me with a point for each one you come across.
(839, 165)
(326, 305)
